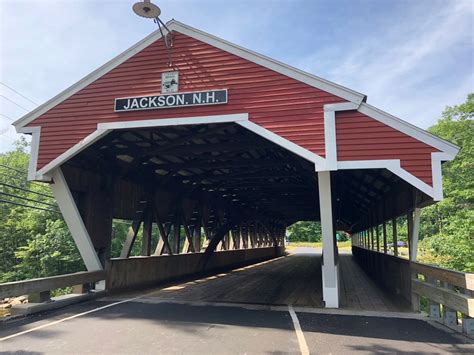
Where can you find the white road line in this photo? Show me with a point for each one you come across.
(67, 318)
(299, 333)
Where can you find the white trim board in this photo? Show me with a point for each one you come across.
(241, 119)
(330, 130)
(174, 25)
(393, 165)
(34, 150)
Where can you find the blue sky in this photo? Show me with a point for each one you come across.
(411, 57)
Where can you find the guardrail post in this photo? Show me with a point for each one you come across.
(39, 297)
(467, 325)
(434, 308)
(449, 316)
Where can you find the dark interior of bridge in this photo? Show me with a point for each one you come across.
(245, 174)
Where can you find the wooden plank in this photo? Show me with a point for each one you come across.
(188, 245)
(163, 242)
(146, 238)
(452, 277)
(19, 288)
(446, 297)
(395, 237)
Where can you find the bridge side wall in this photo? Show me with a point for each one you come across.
(390, 273)
(148, 271)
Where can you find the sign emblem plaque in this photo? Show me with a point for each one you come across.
(169, 82)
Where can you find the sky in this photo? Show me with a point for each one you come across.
(411, 58)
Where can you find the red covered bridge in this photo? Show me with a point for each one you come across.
(223, 150)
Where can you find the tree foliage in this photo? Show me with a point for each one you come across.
(34, 241)
(305, 231)
(448, 226)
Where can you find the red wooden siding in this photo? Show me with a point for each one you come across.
(360, 137)
(283, 105)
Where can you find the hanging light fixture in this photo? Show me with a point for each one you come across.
(147, 9)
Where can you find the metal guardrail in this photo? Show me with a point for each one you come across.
(46, 284)
(447, 291)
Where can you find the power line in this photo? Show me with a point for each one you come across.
(7, 117)
(27, 199)
(26, 190)
(15, 169)
(6, 98)
(23, 205)
(23, 96)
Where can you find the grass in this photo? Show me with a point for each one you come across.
(341, 245)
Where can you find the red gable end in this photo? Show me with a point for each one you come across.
(285, 106)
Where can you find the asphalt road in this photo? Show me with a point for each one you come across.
(149, 322)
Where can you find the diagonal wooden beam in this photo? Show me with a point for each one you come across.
(217, 237)
(133, 230)
(163, 242)
(188, 246)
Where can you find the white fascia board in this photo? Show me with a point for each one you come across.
(173, 25)
(436, 173)
(35, 140)
(74, 221)
(269, 63)
(104, 128)
(87, 80)
(320, 162)
(409, 129)
(392, 165)
(175, 121)
(330, 130)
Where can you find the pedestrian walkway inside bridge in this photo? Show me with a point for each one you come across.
(262, 308)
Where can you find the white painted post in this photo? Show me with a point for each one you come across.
(74, 221)
(414, 232)
(329, 265)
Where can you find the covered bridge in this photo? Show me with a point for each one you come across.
(223, 149)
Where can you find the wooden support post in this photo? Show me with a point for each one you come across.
(176, 234)
(384, 231)
(395, 237)
(147, 228)
(377, 235)
(415, 233)
(197, 235)
(371, 230)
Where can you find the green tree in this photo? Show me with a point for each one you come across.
(49, 253)
(448, 227)
(305, 231)
(28, 213)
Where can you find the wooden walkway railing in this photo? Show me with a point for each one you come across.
(447, 291)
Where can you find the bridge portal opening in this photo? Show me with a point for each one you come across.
(219, 187)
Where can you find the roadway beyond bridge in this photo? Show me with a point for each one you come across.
(262, 308)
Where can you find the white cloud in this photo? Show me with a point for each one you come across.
(407, 69)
